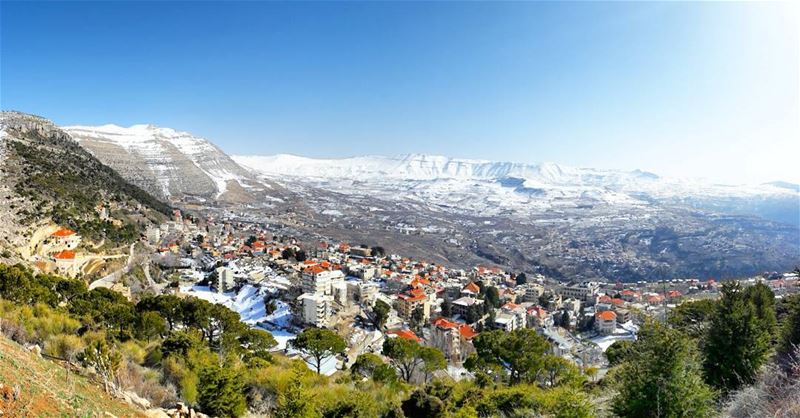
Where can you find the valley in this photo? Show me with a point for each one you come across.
(569, 223)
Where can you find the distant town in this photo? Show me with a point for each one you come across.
(368, 295)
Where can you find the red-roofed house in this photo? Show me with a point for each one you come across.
(411, 300)
(65, 238)
(605, 322)
(471, 289)
(317, 280)
(65, 261)
(453, 339)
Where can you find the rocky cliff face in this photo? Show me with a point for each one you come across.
(167, 163)
(45, 176)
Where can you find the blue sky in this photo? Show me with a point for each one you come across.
(683, 89)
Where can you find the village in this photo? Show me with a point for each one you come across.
(367, 295)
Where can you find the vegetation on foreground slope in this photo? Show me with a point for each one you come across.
(168, 349)
(33, 386)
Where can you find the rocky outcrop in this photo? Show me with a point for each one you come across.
(167, 163)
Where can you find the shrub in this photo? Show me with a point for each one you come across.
(64, 346)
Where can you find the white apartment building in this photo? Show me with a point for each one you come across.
(316, 279)
(316, 309)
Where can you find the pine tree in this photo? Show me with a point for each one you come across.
(221, 391)
(737, 344)
(790, 334)
(660, 377)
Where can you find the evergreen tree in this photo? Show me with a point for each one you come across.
(492, 297)
(661, 377)
(221, 391)
(379, 314)
(763, 300)
(521, 279)
(737, 344)
(318, 343)
(790, 334)
(518, 354)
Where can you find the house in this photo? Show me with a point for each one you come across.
(630, 295)
(518, 312)
(453, 339)
(505, 321)
(605, 322)
(316, 309)
(65, 238)
(471, 289)
(412, 299)
(462, 305)
(537, 317)
(623, 315)
(65, 261)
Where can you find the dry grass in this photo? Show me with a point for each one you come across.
(33, 386)
(776, 394)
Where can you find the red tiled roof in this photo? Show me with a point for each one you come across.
(65, 255)
(314, 270)
(606, 315)
(444, 323)
(472, 287)
(63, 232)
(467, 331)
(407, 334)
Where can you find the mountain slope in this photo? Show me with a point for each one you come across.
(524, 188)
(45, 176)
(167, 163)
(47, 389)
(565, 221)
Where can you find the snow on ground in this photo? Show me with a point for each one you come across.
(605, 341)
(248, 302)
(281, 336)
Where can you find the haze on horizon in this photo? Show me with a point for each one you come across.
(680, 89)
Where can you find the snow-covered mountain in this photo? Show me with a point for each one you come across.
(490, 188)
(166, 162)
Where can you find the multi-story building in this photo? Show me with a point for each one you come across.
(316, 309)
(411, 300)
(453, 339)
(517, 312)
(224, 280)
(460, 306)
(316, 279)
(505, 321)
(582, 291)
(533, 291)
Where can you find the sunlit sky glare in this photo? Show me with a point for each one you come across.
(706, 89)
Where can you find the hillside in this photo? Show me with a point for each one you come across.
(168, 163)
(47, 178)
(33, 386)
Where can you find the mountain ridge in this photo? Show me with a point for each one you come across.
(166, 162)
